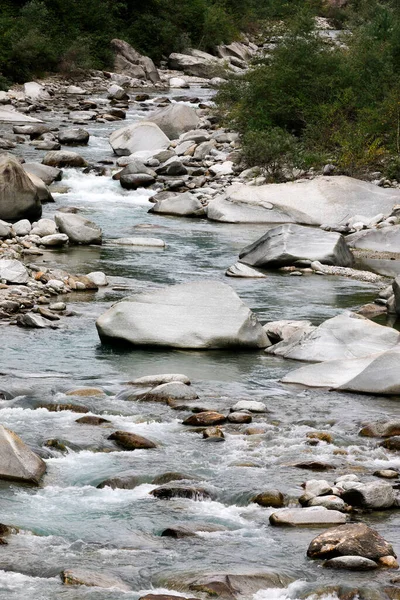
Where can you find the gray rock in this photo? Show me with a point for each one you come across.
(64, 158)
(250, 405)
(133, 182)
(139, 241)
(278, 331)
(205, 314)
(135, 166)
(207, 66)
(286, 244)
(330, 502)
(374, 374)
(22, 228)
(183, 205)
(386, 239)
(44, 227)
(353, 539)
(381, 428)
(10, 115)
(175, 119)
(351, 563)
(32, 320)
(160, 379)
(54, 239)
(19, 197)
(128, 61)
(376, 495)
(47, 174)
(396, 293)
(88, 578)
(317, 487)
(241, 270)
(82, 116)
(172, 390)
(78, 229)
(5, 229)
(137, 138)
(345, 336)
(120, 482)
(42, 190)
(18, 462)
(98, 277)
(307, 517)
(73, 137)
(36, 92)
(116, 92)
(190, 530)
(13, 271)
(323, 200)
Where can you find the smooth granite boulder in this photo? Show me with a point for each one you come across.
(386, 239)
(323, 200)
(17, 461)
(375, 374)
(182, 205)
(286, 244)
(175, 119)
(198, 315)
(19, 197)
(345, 336)
(78, 229)
(137, 138)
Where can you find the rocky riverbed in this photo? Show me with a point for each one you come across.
(181, 464)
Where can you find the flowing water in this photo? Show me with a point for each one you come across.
(67, 522)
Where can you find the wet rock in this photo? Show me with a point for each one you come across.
(139, 241)
(61, 407)
(121, 482)
(286, 244)
(313, 465)
(330, 502)
(374, 374)
(351, 563)
(241, 270)
(386, 474)
(307, 517)
(78, 229)
(273, 498)
(175, 119)
(133, 182)
(17, 462)
(13, 271)
(163, 597)
(134, 167)
(160, 379)
(167, 492)
(99, 278)
(131, 441)
(255, 431)
(78, 576)
(214, 434)
(392, 443)
(36, 92)
(73, 137)
(172, 476)
(92, 420)
(322, 200)
(381, 429)
(205, 419)
(345, 336)
(239, 417)
(183, 205)
(206, 314)
(191, 530)
(138, 137)
(33, 131)
(174, 390)
(31, 320)
(239, 584)
(249, 405)
(353, 539)
(64, 158)
(19, 197)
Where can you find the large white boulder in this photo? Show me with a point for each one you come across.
(137, 138)
(17, 461)
(175, 119)
(198, 315)
(323, 200)
(286, 244)
(183, 205)
(345, 336)
(374, 374)
(78, 229)
(35, 92)
(13, 271)
(19, 198)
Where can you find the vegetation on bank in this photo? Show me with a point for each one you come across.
(310, 101)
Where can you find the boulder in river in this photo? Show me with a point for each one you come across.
(353, 539)
(198, 315)
(381, 429)
(167, 492)
(77, 576)
(73, 137)
(307, 517)
(242, 583)
(351, 563)
(162, 378)
(183, 205)
(273, 498)
(64, 158)
(191, 529)
(205, 419)
(346, 336)
(19, 197)
(206, 66)
(131, 441)
(17, 461)
(286, 244)
(47, 174)
(322, 200)
(175, 119)
(137, 138)
(239, 269)
(121, 482)
(375, 374)
(376, 495)
(78, 229)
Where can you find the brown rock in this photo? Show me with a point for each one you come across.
(322, 436)
(213, 433)
(168, 491)
(239, 417)
(392, 443)
(92, 420)
(85, 392)
(60, 407)
(131, 441)
(313, 466)
(205, 419)
(273, 498)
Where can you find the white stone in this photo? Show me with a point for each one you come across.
(138, 137)
(98, 278)
(13, 271)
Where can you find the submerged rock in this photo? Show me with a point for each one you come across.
(121, 482)
(168, 391)
(17, 461)
(13, 271)
(199, 315)
(205, 419)
(273, 498)
(191, 529)
(183, 205)
(240, 584)
(345, 336)
(167, 492)
(286, 244)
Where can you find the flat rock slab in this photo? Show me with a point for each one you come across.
(199, 315)
(323, 200)
(8, 115)
(92, 579)
(345, 336)
(17, 461)
(159, 379)
(374, 374)
(286, 244)
(307, 517)
(386, 239)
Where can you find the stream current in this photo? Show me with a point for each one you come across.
(67, 522)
